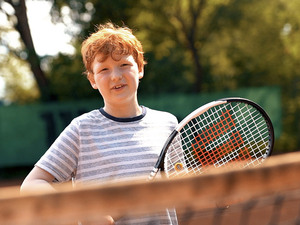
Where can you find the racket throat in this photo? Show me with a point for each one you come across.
(153, 174)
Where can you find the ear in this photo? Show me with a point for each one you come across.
(141, 74)
(92, 80)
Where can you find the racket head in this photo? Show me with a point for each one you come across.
(227, 133)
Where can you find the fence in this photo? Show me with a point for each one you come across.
(26, 131)
(269, 194)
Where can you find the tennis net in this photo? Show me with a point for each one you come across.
(269, 194)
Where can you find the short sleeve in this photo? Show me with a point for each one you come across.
(61, 158)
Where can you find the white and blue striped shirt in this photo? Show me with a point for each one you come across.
(97, 147)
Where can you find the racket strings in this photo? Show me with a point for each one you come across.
(226, 133)
(257, 129)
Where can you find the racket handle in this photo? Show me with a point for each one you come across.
(153, 174)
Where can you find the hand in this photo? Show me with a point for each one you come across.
(109, 220)
(106, 220)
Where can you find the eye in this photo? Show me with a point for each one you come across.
(125, 64)
(103, 70)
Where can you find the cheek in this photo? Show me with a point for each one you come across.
(94, 82)
(102, 85)
(134, 80)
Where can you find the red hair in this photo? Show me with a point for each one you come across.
(111, 40)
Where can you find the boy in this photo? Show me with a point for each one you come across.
(119, 142)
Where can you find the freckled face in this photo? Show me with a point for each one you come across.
(117, 81)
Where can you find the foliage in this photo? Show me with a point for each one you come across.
(20, 87)
(14, 14)
(67, 80)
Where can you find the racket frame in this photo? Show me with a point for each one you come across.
(159, 165)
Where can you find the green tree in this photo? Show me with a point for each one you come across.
(67, 79)
(239, 44)
(20, 87)
(19, 22)
(263, 51)
(186, 27)
(80, 12)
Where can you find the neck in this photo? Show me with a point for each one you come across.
(125, 111)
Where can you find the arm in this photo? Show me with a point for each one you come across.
(39, 179)
(36, 180)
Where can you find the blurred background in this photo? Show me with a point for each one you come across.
(197, 51)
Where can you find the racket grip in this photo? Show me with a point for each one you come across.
(153, 174)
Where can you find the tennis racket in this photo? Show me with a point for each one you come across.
(217, 135)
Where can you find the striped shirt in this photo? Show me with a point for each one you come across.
(97, 147)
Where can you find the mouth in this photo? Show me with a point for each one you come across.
(119, 86)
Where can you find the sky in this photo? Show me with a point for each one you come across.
(48, 38)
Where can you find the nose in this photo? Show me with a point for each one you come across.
(117, 74)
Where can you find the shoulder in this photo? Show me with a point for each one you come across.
(87, 121)
(91, 116)
(161, 116)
